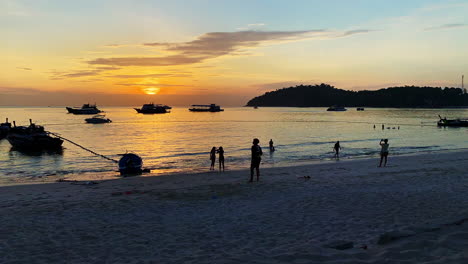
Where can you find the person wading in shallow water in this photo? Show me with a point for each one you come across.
(256, 158)
(221, 157)
(337, 148)
(384, 151)
(213, 158)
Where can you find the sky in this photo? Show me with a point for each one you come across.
(183, 52)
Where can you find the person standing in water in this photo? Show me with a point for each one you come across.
(256, 159)
(384, 151)
(272, 148)
(337, 148)
(221, 157)
(213, 158)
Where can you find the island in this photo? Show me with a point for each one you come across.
(325, 95)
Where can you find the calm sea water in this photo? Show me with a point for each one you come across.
(180, 141)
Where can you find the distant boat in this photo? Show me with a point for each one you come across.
(336, 108)
(452, 122)
(153, 109)
(255, 107)
(206, 108)
(4, 129)
(32, 137)
(360, 109)
(98, 119)
(86, 109)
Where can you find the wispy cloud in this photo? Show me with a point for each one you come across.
(58, 75)
(152, 84)
(215, 44)
(152, 75)
(24, 68)
(446, 26)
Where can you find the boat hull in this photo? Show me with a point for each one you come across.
(151, 111)
(28, 142)
(205, 110)
(453, 123)
(81, 111)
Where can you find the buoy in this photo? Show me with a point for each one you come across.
(130, 164)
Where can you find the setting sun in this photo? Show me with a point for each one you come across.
(151, 90)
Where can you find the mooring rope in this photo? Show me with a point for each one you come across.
(78, 145)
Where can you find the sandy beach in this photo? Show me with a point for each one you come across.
(349, 211)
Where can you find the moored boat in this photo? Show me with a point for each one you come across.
(360, 109)
(98, 119)
(153, 109)
(130, 164)
(336, 108)
(452, 122)
(86, 109)
(206, 108)
(32, 137)
(4, 129)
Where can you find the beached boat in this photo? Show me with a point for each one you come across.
(206, 108)
(4, 129)
(32, 137)
(336, 108)
(452, 122)
(153, 109)
(98, 119)
(86, 109)
(360, 109)
(130, 164)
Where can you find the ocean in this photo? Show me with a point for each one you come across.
(180, 141)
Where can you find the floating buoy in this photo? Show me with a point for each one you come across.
(130, 164)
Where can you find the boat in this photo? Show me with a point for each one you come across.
(360, 109)
(86, 109)
(130, 164)
(32, 137)
(4, 129)
(336, 108)
(255, 107)
(153, 109)
(206, 108)
(98, 119)
(452, 122)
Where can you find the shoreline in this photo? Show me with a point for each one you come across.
(416, 206)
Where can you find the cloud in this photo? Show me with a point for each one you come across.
(153, 75)
(152, 84)
(215, 44)
(24, 68)
(354, 32)
(57, 75)
(446, 26)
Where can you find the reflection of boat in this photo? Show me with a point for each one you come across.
(86, 109)
(206, 108)
(153, 109)
(98, 119)
(452, 122)
(32, 137)
(130, 164)
(336, 108)
(4, 129)
(360, 109)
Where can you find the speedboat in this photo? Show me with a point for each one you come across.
(153, 109)
(206, 108)
(86, 109)
(32, 137)
(452, 122)
(336, 108)
(4, 129)
(98, 119)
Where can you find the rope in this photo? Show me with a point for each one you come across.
(78, 145)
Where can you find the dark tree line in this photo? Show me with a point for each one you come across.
(325, 95)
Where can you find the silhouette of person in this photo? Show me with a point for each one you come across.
(384, 151)
(337, 148)
(374, 126)
(272, 148)
(383, 126)
(256, 159)
(213, 158)
(221, 157)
